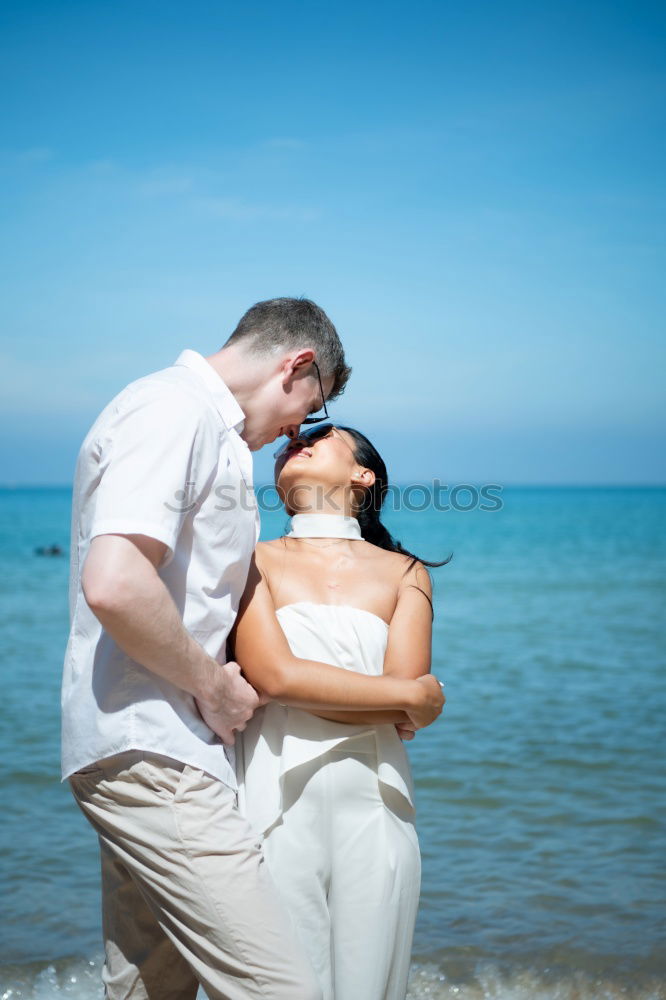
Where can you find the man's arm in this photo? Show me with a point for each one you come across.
(124, 591)
(264, 654)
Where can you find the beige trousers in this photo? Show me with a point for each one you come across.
(186, 897)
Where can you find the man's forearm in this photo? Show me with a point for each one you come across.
(145, 623)
(122, 586)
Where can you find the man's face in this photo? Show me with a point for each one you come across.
(283, 403)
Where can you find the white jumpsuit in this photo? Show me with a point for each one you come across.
(334, 805)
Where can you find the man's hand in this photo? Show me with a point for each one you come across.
(232, 703)
(428, 702)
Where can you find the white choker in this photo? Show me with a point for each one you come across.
(324, 526)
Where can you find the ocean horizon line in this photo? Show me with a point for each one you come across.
(11, 487)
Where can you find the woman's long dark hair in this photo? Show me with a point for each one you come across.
(369, 511)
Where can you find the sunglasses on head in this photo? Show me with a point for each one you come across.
(305, 437)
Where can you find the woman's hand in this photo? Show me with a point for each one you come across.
(405, 731)
(428, 701)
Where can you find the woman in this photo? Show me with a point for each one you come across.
(327, 785)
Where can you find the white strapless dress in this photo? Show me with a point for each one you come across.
(335, 808)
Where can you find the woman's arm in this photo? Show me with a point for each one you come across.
(261, 648)
(408, 650)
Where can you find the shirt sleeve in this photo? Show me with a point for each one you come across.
(155, 460)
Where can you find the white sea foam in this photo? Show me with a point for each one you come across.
(429, 983)
(81, 980)
(78, 979)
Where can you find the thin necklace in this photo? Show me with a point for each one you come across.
(314, 544)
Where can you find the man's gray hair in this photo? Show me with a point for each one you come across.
(288, 324)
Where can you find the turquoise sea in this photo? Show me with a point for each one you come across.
(541, 791)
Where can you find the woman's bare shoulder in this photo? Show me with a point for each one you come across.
(397, 561)
(266, 552)
(404, 570)
(270, 544)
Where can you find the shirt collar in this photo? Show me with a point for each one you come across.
(225, 401)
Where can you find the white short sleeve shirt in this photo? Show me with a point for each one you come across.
(165, 459)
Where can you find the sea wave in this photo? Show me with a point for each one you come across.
(428, 982)
(80, 979)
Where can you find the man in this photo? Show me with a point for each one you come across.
(164, 526)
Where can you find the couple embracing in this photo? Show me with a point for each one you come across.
(233, 712)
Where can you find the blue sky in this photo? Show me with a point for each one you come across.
(474, 192)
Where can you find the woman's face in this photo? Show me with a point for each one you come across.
(330, 461)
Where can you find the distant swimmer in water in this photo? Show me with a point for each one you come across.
(49, 550)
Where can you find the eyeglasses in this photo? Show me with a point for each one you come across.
(306, 437)
(324, 415)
